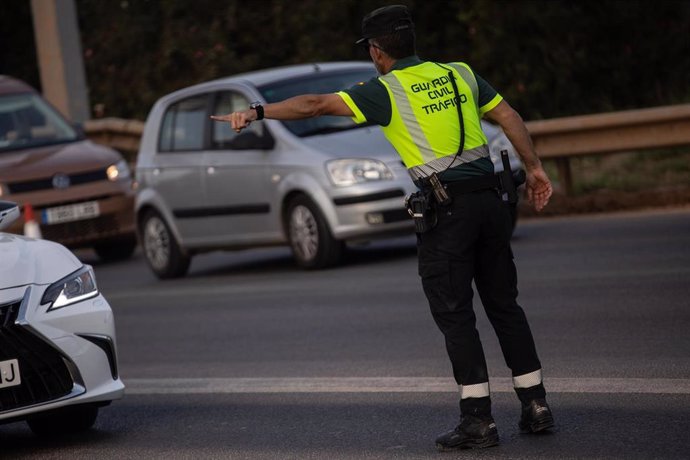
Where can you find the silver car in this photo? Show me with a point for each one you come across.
(313, 184)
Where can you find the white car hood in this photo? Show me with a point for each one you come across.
(26, 261)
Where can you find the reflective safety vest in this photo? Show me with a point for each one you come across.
(424, 126)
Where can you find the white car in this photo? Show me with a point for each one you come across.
(58, 360)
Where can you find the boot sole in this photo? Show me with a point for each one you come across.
(538, 425)
(470, 444)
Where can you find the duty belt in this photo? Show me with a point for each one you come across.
(474, 184)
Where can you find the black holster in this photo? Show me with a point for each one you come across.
(421, 207)
(508, 187)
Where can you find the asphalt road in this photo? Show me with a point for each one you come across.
(250, 357)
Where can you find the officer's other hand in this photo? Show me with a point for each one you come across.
(538, 188)
(238, 120)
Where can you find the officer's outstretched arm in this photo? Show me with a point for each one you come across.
(295, 108)
(538, 184)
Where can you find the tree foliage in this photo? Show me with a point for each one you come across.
(549, 58)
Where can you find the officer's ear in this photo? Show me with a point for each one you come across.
(378, 53)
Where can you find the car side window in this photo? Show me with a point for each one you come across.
(183, 127)
(222, 135)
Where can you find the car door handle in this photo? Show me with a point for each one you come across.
(210, 170)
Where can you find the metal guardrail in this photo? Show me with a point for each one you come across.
(557, 139)
(563, 138)
(122, 135)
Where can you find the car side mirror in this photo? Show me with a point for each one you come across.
(250, 140)
(9, 212)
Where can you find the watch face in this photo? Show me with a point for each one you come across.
(259, 109)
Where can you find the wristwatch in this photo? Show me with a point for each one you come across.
(259, 109)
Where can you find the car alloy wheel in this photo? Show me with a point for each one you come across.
(304, 232)
(162, 252)
(157, 243)
(311, 240)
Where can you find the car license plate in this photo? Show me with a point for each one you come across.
(9, 373)
(71, 212)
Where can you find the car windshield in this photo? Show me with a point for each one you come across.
(26, 120)
(318, 83)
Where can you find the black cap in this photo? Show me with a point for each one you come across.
(385, 21)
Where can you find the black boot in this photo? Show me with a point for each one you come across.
(472, 433)
(536, 416)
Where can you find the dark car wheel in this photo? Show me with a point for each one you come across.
(163, 254)
(64, 421)
(116, 250)
(312, 243)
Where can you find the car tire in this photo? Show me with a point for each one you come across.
(311, 241)
(62, 421)
(112, 251)
(163, 255)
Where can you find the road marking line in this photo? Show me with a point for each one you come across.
(392, 385)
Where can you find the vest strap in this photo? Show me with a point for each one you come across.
(469, 78)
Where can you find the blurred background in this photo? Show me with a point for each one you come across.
(549, 58)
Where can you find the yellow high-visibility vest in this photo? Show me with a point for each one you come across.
(424, 126)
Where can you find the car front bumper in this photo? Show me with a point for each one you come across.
(115, 220)
(371, 216)
(64, 357)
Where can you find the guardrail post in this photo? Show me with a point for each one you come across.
(565, 176)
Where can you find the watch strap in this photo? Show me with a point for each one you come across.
(259, 110)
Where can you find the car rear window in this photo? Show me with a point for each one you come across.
(317, 83)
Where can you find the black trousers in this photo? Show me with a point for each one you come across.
(472, 242)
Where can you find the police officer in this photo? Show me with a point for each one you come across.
(431, 113)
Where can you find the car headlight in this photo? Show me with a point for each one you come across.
(118, 171)
(73, 288)
(356, 171)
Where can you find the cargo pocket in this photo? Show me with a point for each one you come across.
(437, 285)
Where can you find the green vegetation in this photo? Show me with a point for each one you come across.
(549, 58)
(635, 171)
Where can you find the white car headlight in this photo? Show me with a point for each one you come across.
(75, 287)
(118, 171)
(356, 171)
